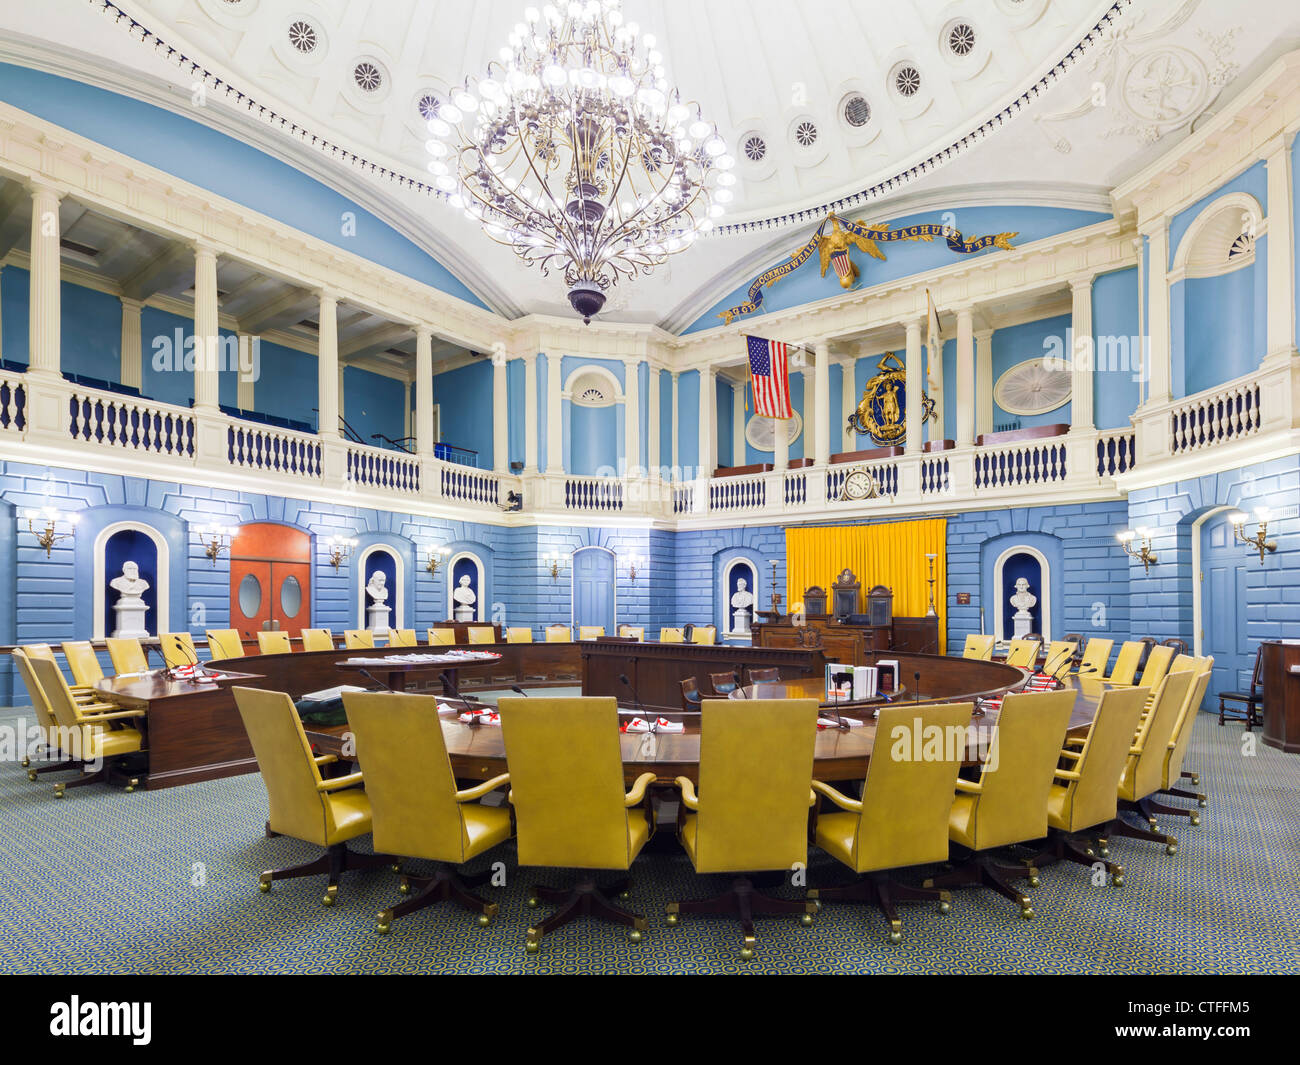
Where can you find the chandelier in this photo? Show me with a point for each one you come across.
(574, 151)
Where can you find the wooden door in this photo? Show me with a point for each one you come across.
(1224, 565)
(270, 579)
(593, 588)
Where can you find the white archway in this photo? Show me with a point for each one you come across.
(1210, 246)
(481, 582)
(725, 591)
(398, 600)
(1044, 594)
(162, 593)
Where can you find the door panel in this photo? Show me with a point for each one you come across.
(1223, 617)
(270, 579)
(250, 601)
(593, 588)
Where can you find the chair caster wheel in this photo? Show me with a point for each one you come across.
(945, 906)
(404, 888)
(634, 936)
(396, 867)
(484, 920)
(26, 763)
(623, 894)
(747, 951)
(533, 902)
(895, 936)
(1195, 819)
(383, 928)
(1088, 851)
(59, 793)
(1201, 803)
(264, 882)
(672, 918)
(328, 898)
(1171, 848)
(31, 774)
(1117, 880)
(530, 946)
(805, 919)
(1027, 913)
(1033, 881)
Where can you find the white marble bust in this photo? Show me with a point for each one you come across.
(463, 593)
(130, 584)
(743, 599)
(1024, 600)
(377, 589)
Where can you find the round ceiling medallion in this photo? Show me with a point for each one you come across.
(805, 134)
(856, 110)
(907, 81)
(1035, 386)
(303, 36)
(368, 76)
(961, 39)
(761, 432)
(755, 148)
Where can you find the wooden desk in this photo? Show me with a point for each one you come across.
(193, 731)
(1280, 672)
(396, 673)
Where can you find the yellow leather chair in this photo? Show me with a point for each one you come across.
(901, 819)
(590, 632)
(326, 812)
(751, 815)
(442, 637)
(705, 635)
(1009, 802)
(317, 640)
(519, 635)
(1145, 767)
(84, 663)
(633, 632)
(671, 636)
(1157, 665)
(94, 733)
(1023, 653)
(416, 809)
(482, 634)
(1178, 744)
(402, 638)
(571, 808)
(224, 643)
(178, 649)
(1059, 659)
(1126, 663)
(1096, 653)
(559, 634)
(274, 642)
(46, 652)
(49, 747)
(357, 639)
(978, 647)
(127, 655)
(1083, 794)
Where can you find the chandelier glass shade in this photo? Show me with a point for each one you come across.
(574, 151)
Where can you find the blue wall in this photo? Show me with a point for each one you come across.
(464, 400)
(1016, 344)
(1118, 346)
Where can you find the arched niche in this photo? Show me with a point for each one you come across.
(165, 534)
(467, 564)
(593, 420)
(737, 570)
(727, 569)
(382, 558)
(1002, 559)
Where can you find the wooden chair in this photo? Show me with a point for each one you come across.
(723, 684)
(224, 643)
(1179, 645)
(690, 695)
(1252, 699)
(127, 655)
(416, 808)
(275, 642)
(978, 647)
(765, 676)
(178, 649)
(1148, 643)
(751, 813)
(356, 639)
(1075, 638)
(317, 640)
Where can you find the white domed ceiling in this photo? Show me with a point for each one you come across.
(876, 106)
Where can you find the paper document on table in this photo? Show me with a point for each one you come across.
(326, 694)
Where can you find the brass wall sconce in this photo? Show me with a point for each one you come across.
(632, 563)
(555, 560)
(215, 539)
(437, 556)
(340, 548)
(1260, 541)
(1143, 553)
(49, 536)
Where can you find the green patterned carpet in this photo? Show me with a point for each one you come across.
(166, 882)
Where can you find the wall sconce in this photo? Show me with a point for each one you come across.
(437, 556)
(1143, 554)
(555, 560)
(776, 596)
(340, 548)
(49, 536)
(632, 563)
(1260, 541)
(214, 538)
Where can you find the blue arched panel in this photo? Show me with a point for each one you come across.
(991, 589)
(1015, 567)
(131, 545)
(175, 533)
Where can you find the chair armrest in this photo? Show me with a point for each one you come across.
(1135, 750)
(334, 783)
(470, 794)
(689, 799)
(838, 798)
(638, 789)
(325, 759)
(970, 787)
(1067, 774)
(95, 719)
(1075, 741)
(1071, 754)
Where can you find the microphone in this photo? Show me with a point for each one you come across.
(449, 685)
(194, 659)
(623, 677)
(916, 686)
(371, 676)
(518, 690)
(737, 675)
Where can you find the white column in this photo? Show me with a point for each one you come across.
(848, 404)
(424, 390)
(530, 414)
(738, 423)
(632, 413)
(2, 274)
(1082, 358)
(1159, 375)
(677, 435)
(809, 413)
(822, 403)
(500, 412)
(983, 382)
(965, 391)
(708, 422)
(329, 375)
(207, 377)
(915, 381)
(245, 385)
(44, 341)
(554, 414)
(132, 355)
(652, 429)
(1281, 252)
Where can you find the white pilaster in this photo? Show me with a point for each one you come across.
(424, 391)
(132, 369)
(554, 414)
(1082, 358)
(329, 375)
(809, 412)
(44, 340)
(676, 412)
(822, 403)
(245, 385)
(965, 391)
(500, 413)
(1281, 249)
(915, 380)
(530, 414)
(632, 413)
(1159, 375)
(207, 376)
(652, 430)
(848, 403)
(983, 381)
(708, 422)
(738, 423)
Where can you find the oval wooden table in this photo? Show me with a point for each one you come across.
(478, 752)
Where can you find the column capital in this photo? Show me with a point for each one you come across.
(1079, 281)
(37, 188)
(129, 304)
(203, 250)
(1277, 149)
(1154, 227)
(423, 332)
(328, 295)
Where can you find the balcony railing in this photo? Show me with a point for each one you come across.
(1206, 421)
(596, 494)
(13, 402)
(131, 424)
(1035, 462)
(283, 451)
(380, 468)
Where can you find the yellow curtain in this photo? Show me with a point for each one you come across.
(892, 554)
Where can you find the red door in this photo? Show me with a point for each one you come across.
(270, 579)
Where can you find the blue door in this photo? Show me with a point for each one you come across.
(1223, 611)
(593, 588)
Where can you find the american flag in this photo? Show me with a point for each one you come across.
(769, 370)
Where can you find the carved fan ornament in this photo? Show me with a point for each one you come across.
(1033, 387)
